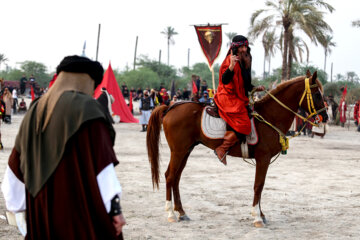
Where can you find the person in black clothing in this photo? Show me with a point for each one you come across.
(197, 83)
(139, 93)
(123, 86)
(203, 87)
(146, 104)
(126, 93)
(106, 100)
(23, 81)
(185, 94)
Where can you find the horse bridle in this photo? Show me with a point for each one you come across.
(284, 141)
(310, 101)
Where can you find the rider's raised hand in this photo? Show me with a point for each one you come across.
(233, 60)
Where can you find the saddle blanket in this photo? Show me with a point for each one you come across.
(322, 129)
(215, 128)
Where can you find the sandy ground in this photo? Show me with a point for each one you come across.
(311, 193)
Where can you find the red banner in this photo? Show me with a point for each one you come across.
(210, 39)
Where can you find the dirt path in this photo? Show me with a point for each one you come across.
(311, 193)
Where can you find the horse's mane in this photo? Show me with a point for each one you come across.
(284, 85)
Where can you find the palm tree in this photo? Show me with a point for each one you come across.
(169, 32)
(296, 50)
(270, 43)
(3, 59)
(291, 15)
(356, 23)
(230, 36)
(327, 43)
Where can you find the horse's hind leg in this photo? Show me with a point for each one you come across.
(177, 199)
(171, 176)
(262, 165)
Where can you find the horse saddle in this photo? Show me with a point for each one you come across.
(215, 128)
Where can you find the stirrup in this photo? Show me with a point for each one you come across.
(221, 160)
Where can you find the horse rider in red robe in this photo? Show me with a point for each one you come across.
(232, 94)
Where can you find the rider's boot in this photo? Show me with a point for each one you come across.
(221, 151)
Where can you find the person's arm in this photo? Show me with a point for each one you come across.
(227, 76)
(14, 192)
(110, 190)
(151, 103)
(140, 105)
(13, 189)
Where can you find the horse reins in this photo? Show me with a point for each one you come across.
(284, 141)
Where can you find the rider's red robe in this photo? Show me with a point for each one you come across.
(342, 111)
(232, 101)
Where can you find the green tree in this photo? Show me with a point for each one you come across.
(141, 77)
(291, 15)
(356, 23)
(352, 77)
(270, 44)
(327, 43)
(166, 73)
(3, 59)
(230, 36)
(169, 33)
(38, 70)
(332, 89)
(12, 74)
(202, 70)
(339, 77)
(296, 50)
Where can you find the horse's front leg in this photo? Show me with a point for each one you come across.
(262, 165)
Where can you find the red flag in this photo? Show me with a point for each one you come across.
(210, 38)
(119, 107)
(32, 94)
(344, 92)
(130, 103)
(194, 88)
(52, 80)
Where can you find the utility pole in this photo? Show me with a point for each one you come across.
(188, 65)
(98, 40)
(135, 51)
(331, 71)
(159, 56)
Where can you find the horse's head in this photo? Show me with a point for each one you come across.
(313, 100)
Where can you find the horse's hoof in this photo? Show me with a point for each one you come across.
(259, 224)
(172, 219)
(264, 219)
(184, 218)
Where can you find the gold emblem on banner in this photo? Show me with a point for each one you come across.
(209, 36)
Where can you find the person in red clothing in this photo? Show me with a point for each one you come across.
(232, 94)
(356, 113)
(358, 116)
(342, 111)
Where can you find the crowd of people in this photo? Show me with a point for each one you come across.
(12, 96)
(150, 98)
(69, 174)
(336, 112)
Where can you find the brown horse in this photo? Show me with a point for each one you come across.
(182, 128)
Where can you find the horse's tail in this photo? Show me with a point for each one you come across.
(152, 142)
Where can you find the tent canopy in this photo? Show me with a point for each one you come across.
(119, 107)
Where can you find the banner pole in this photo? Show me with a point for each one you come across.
(213, 79)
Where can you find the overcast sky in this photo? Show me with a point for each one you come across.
(46, 31)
